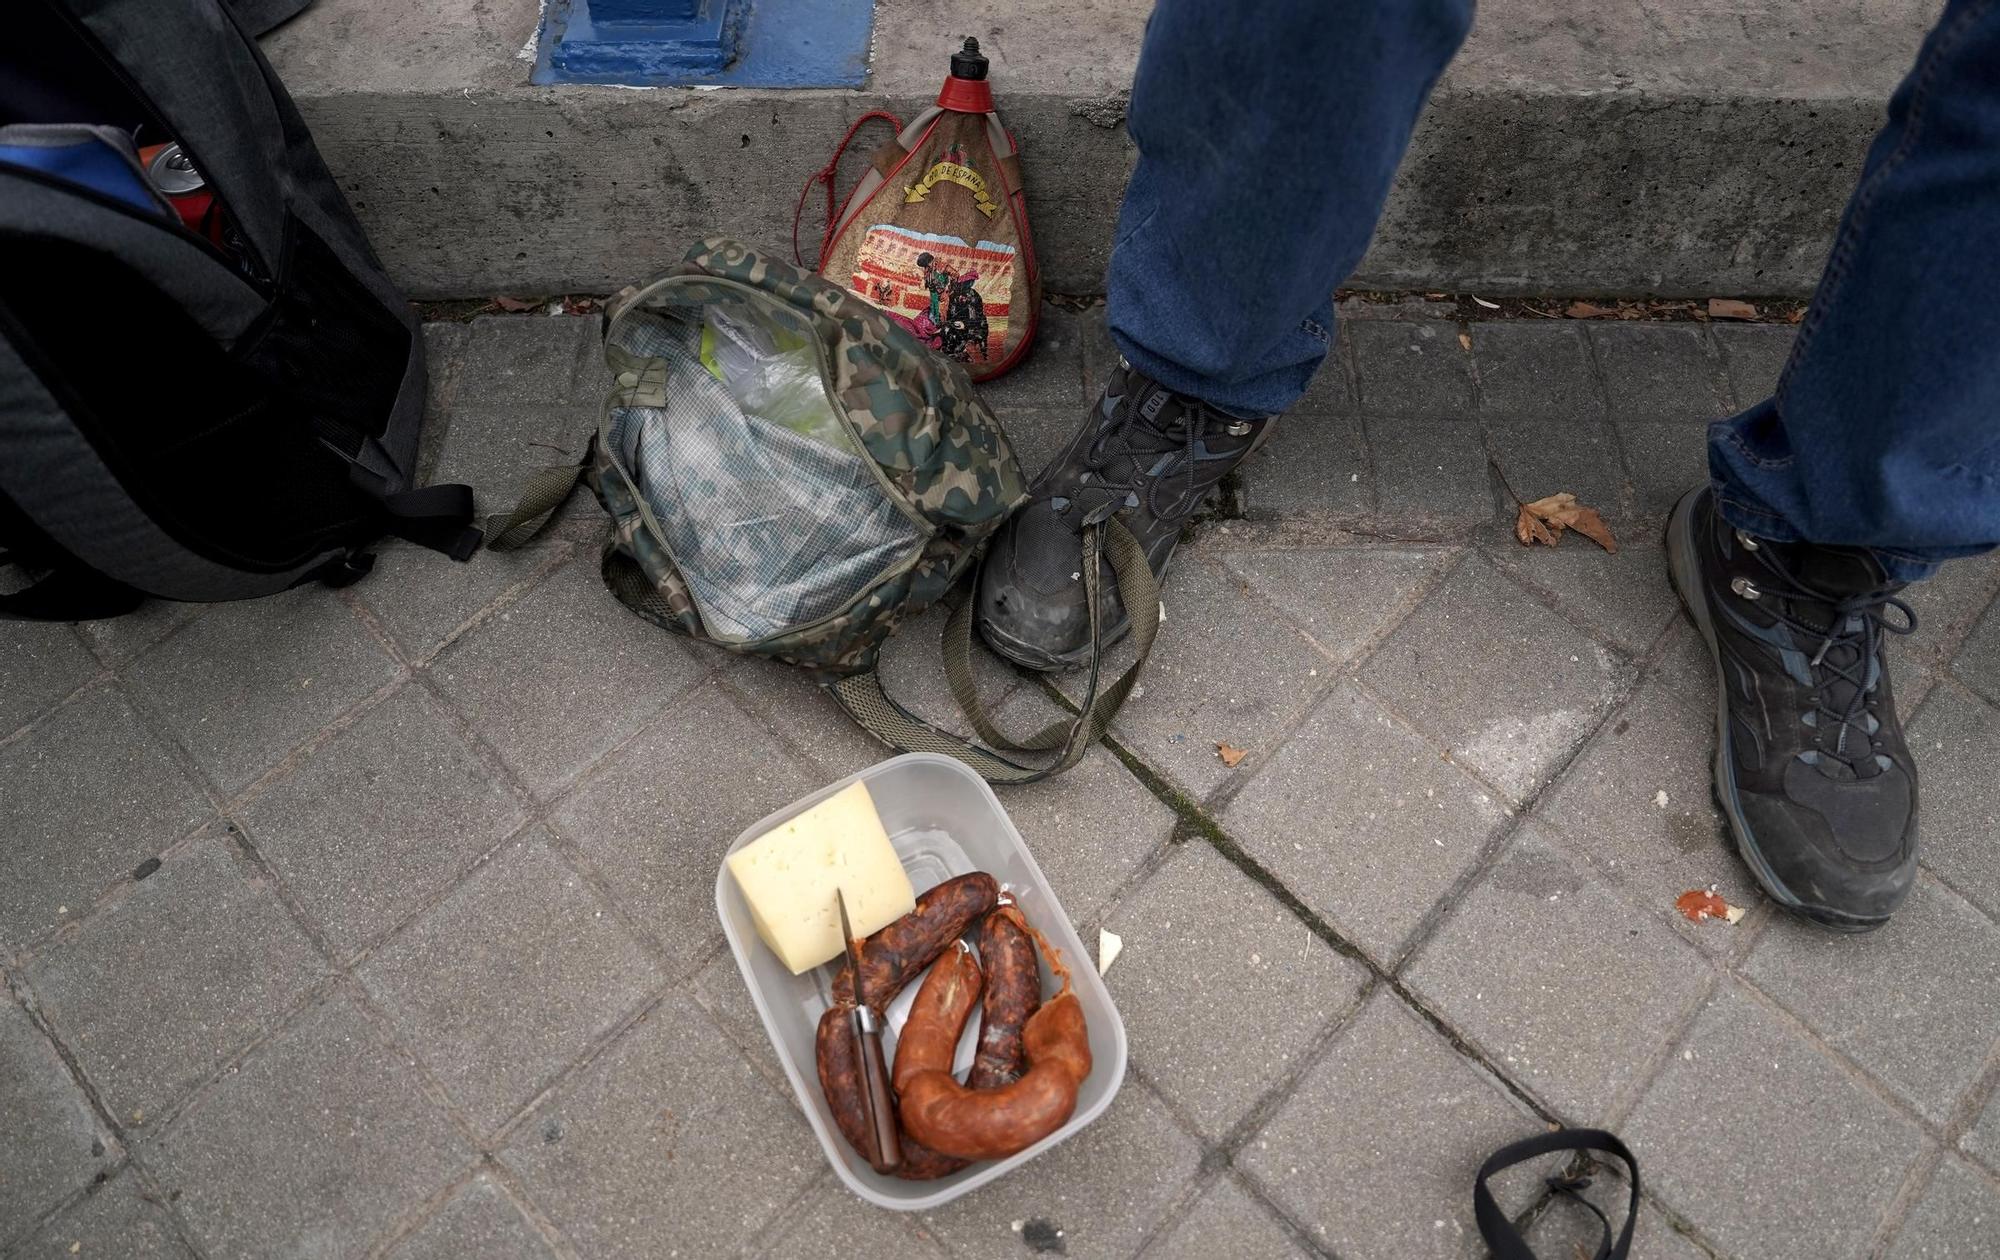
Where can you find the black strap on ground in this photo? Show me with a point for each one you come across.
(437, 517)
(1499, 1232)
(865, 700)
(541, 495)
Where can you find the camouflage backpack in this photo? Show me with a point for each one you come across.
(790, 474)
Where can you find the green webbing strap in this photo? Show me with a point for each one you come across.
(865, 700)
(541, 495)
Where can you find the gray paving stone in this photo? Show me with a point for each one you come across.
(1402, 306)
(627, 1158)
(479, 1220)
(1956, 741)
(1536, 371)
(1767, 1145)
(1314, 465)
(1958, 1216)
(1917, 1003)
(508, 980)
(1226, 1221)
(656, 818)
(1507, 685)
(250, 681)
(1342, 597)
(1625, 598)
(89, 794)
(444, 354)
(727, 1000)
(837, 1222)
(1364, 821)
(804, 716)
(1544, 457)
(113, 1219)
(311, 1147)
(159, 989)
(1947, 604)
(1607, 809)
(1565, 1230)
(1685, 669)
(118, 639)
(524, 359)
(1375, 1153)
(1660, 372)
(1411, 369)
(1754, 354)
(1039, 434)
(1221, 670)
(52, 1143)
(1430, 476)
(1208, 955)
(1097, 1195)
(40, 663)
(1331, 390)
(1665, 462)
(523, 401)
(1982, 1140)
(912, 669)
(564, 676)
(1977, 664)
(379, 818)
(1052, 374)
(1100, 353)
(422, 598)
(1560, 981)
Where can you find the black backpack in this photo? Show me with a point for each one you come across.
(206, 393)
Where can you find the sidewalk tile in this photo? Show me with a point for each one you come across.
(1948, 605)
(1625, 598)
(1340, 596)
(805, 715)
(1916, 1003)
(1052, 374)
(1764, 1142)
(1226, 1221)
(1536, 370)
(1100, 353)
(1982, 1140)
(312, 1147)
(1573, 1008)
(627, 1157)
(1565, 1230)
(509, 979)
(912, 671)
(1366, 823)
(1411, 369)
(51, 1143)
(479, 1221)
(40, 663)
(657, 816)
(421, 597)
(1661, 372)
(1331, 390)
(727, 1000)
(1093, 1197)
(1545, 457)
(1607, 807)
(1977, 664)
(250, 681)
(119, 639)
(378, 818)
(1956, 742)
(1959, 1215)
(159, 989)
(1665, 461)
(523, 401)
(1507, 685)
(1312, 466)
(836, 1222)
(114, 1219)
(1221, 670)
(1429, 475)
(1375, 1153)
(89, 795)
(1039, 434)
(1754, 354)
(564, 676)
(523, 359)
(1208, 956)
(444, 356)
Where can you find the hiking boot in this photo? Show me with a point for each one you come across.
(1147, 455)
(1810, 765)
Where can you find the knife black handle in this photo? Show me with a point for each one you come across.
(875, 1093)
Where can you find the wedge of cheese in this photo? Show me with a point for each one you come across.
(788, 876)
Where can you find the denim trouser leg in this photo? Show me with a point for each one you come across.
(1885, 430)
(1267, 137)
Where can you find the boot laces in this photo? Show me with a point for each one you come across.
(1174, 432)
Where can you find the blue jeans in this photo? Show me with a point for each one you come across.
(1268, 136)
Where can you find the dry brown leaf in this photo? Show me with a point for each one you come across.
(1530, 530)
(515, 305)
(1231, 755)
(1465, 340)
(1589, 310)
(1796, 316)
(1730, 308)
(1544, 521)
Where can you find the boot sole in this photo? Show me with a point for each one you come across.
(1685, 572)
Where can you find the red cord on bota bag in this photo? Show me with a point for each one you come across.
(826, 175)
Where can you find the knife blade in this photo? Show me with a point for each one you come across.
(867, 1024)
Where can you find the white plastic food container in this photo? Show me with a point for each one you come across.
(943, 821)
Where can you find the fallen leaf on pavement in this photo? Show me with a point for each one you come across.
(515, 305)
(1697, 904)
(1589, 310)
(1231, 756)
(1730, 308)
(1465, 340)
(1544, 521)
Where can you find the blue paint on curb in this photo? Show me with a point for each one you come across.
(722, 43)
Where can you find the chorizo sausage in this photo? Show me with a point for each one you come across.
(1013, 993)
(948, 1118)
(893, 956)
(930, 1039)
(839, 1062)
